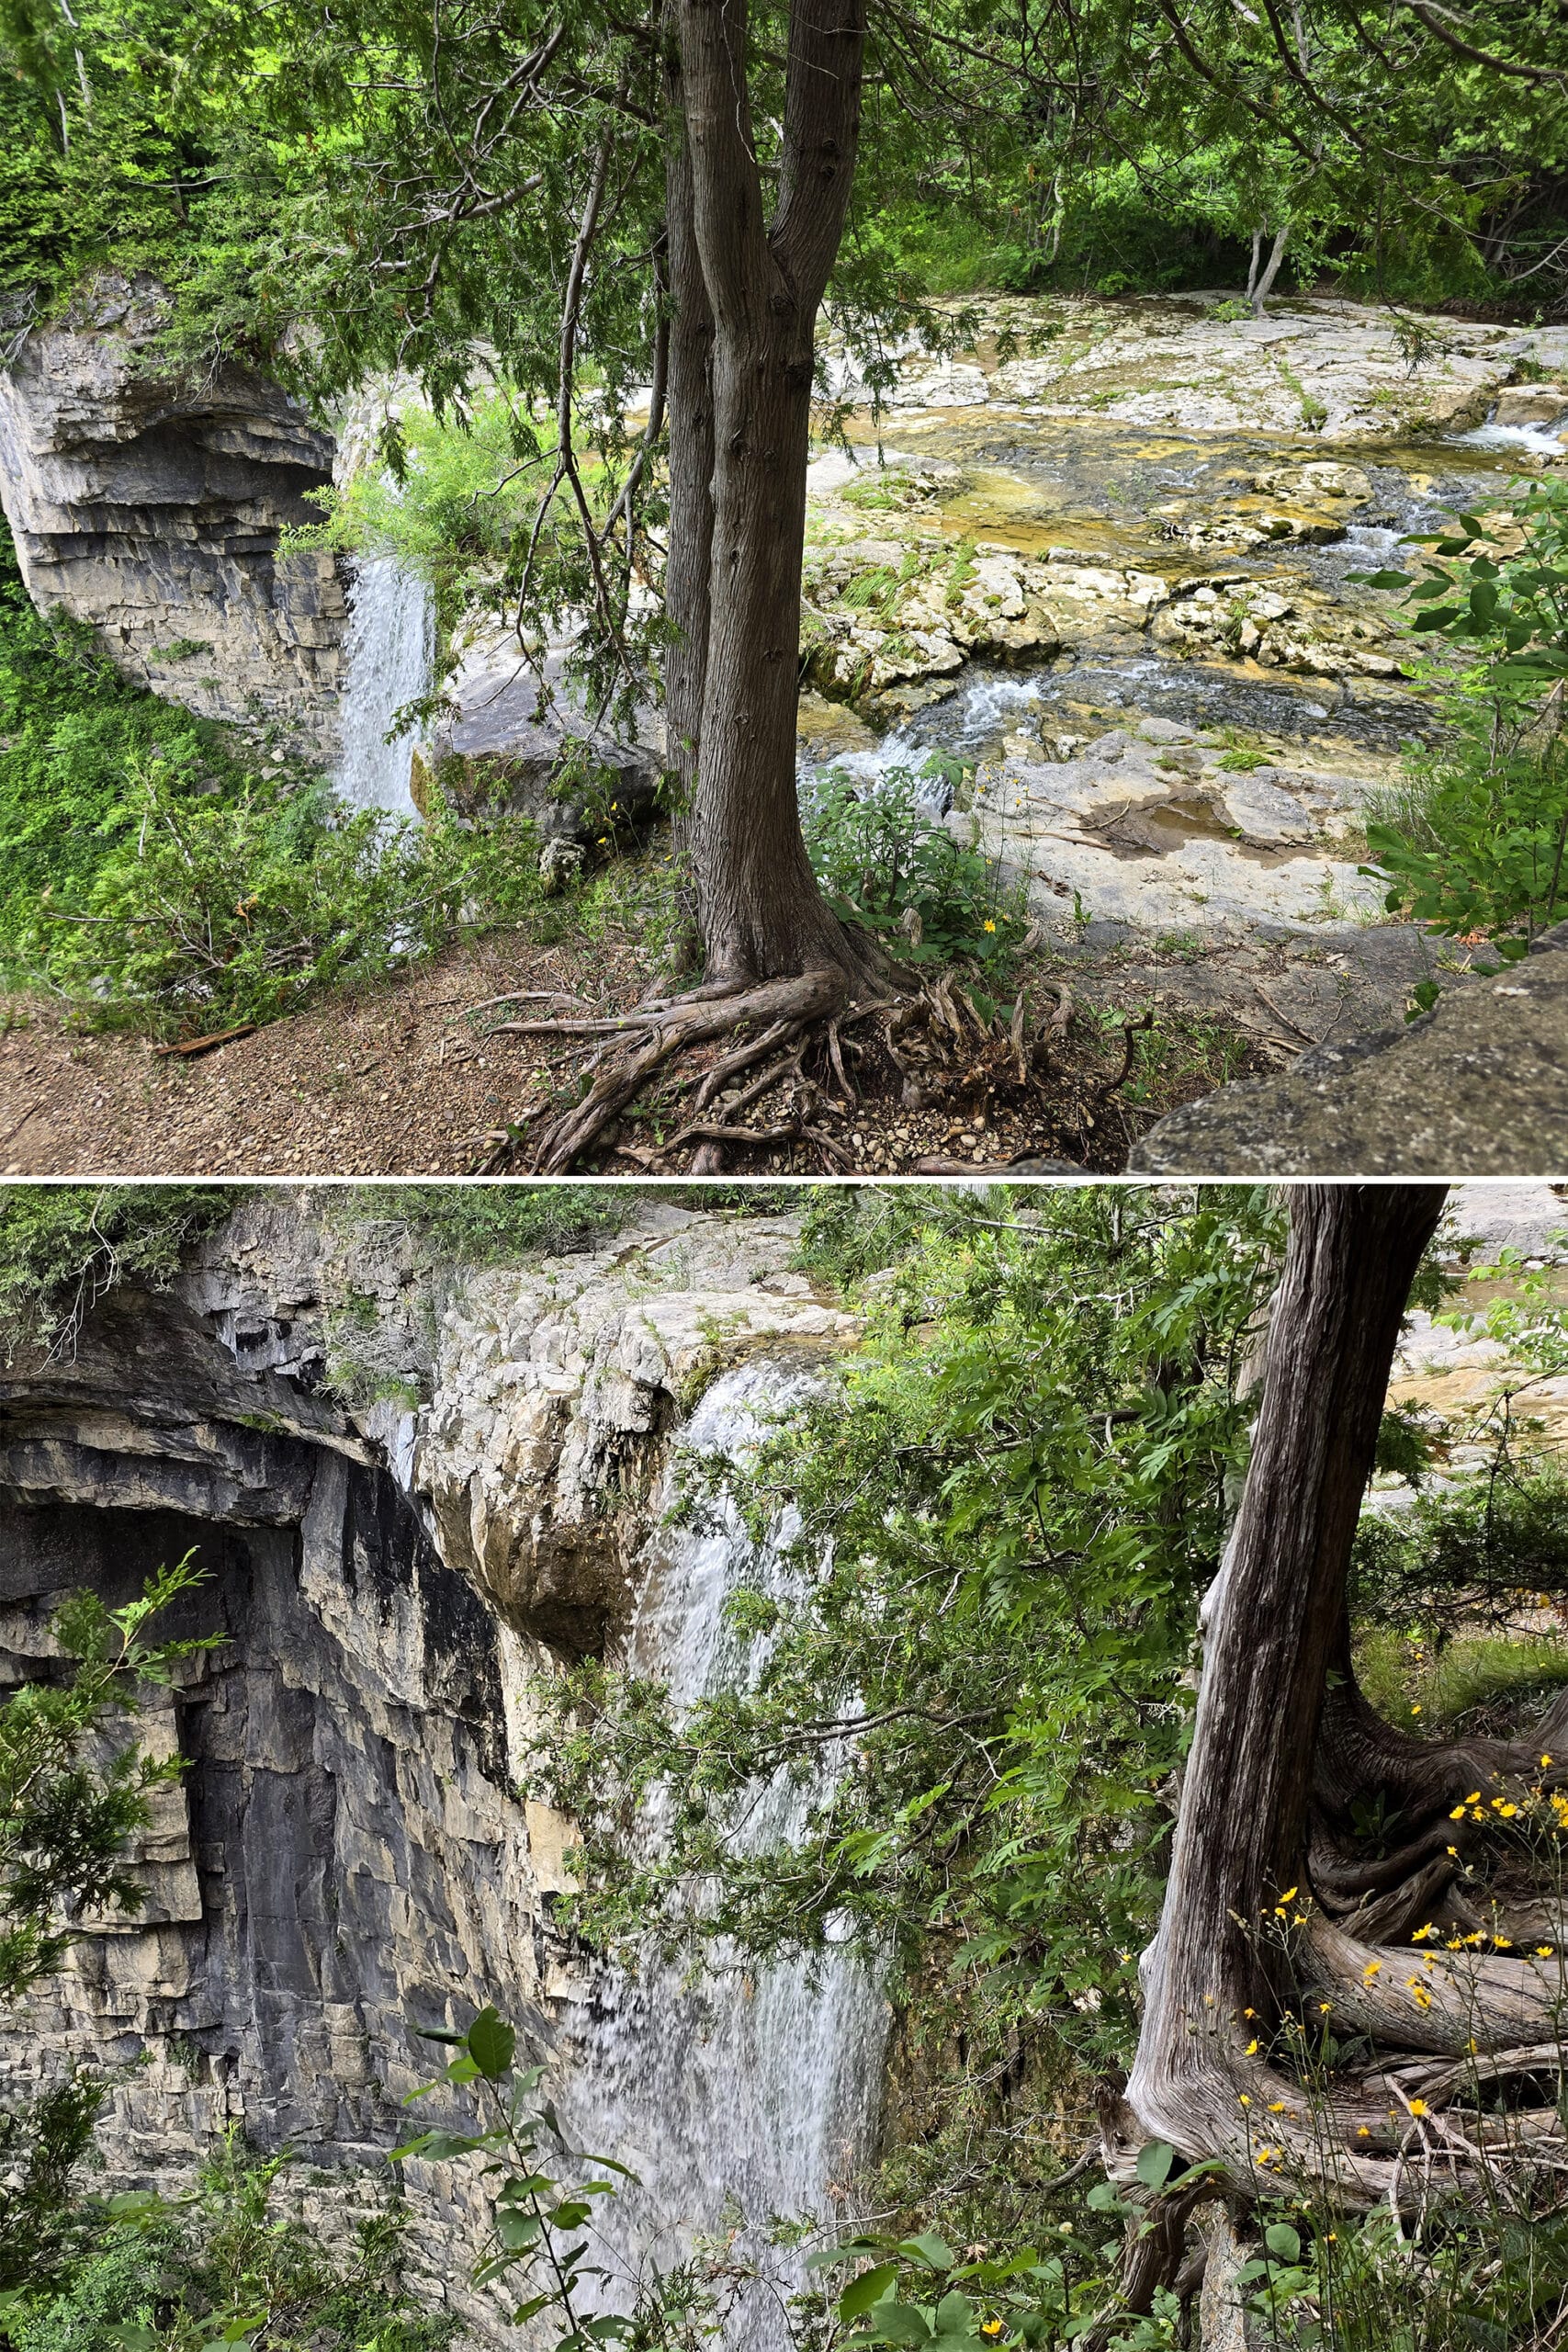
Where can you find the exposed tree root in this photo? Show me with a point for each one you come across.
(665, 1031)
(809, 1032)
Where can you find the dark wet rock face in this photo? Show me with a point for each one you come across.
(151, 509)
(344, 1856)
(1477, 1087)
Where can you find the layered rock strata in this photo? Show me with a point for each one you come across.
(409, 1491)
(150, 506)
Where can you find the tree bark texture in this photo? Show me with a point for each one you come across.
(1272, 1619)
(688, 564)
(760, 911)
(1281, 1911)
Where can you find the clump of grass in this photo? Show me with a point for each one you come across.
(1472, 1676)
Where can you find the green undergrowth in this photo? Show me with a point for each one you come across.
(1466, 1558)
(71, 728)
(225, 908)
(473, 1225)
(1470, 1677)
(154, 876)
(883, 861)
(237, 2263)
(63, 1247)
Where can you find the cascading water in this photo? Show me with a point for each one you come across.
(389, 655)
(754, 2094)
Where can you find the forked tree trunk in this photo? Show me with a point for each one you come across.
(1259, 287)
(689, 563)
(759, 909)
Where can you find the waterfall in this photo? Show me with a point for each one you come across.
(388, 658)
(751, 2091)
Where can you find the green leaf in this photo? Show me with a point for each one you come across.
(1282, 2242)
(491, 2044)
(868, 2289)
(1155, 2161)
(900, 2323)
(934, 2252)
(517, 2232)
(436, 2147)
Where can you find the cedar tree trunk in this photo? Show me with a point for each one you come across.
(1288, 1912)
(741, 397)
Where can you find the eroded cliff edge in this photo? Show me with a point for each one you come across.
(152, 508)
(412, 1487)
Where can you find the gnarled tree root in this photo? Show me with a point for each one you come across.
(663, 1033)
(935, 1038)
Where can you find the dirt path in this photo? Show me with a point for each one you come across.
(409, 1079)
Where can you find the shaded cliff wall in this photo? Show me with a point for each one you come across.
(151, 509)
(348, 1851)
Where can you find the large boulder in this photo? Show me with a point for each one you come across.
(506, 751)
(1476, 1087)
(151, 506)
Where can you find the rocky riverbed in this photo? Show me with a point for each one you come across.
(1101, 556)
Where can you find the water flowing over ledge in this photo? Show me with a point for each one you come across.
(390, 653)
(751, 2094)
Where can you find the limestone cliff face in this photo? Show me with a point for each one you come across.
(152, 510)
(349, 1850)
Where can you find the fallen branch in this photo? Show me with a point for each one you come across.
(521, 996)
(204, 1044)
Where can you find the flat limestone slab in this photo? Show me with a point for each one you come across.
(1477, 1087)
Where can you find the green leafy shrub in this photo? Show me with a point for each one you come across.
(225, 2267)
(1466, 1557)
(63, 1246)
(70, 728)
(498, 1224)
(1477, 842)
(885, 862)
(212, 910)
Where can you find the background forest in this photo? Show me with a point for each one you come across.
(991, 1566)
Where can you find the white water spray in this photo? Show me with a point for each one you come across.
(755, 2093)
(388, 658)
